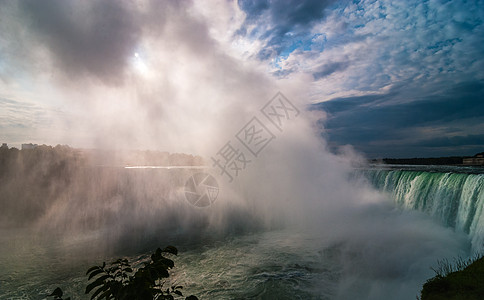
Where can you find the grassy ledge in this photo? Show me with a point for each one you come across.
(463, 280)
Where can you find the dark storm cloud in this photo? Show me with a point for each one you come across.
(328, 69)
(93, 38)
(79, 39)
(281, 23)
(253, 8)
(471, 139)
(378, 123)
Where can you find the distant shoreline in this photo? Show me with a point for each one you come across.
(476, 160)
(453, 161)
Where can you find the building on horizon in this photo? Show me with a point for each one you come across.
(29, 146)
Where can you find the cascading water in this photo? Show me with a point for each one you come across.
(454, 198)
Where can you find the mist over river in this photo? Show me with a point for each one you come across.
(240, 132)
(379, 248)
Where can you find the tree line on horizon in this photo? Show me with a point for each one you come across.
(447, 160)
(32, 180)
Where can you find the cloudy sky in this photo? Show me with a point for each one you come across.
(390, 78)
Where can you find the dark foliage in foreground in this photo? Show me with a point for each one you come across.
(57, 294)
(121, 281)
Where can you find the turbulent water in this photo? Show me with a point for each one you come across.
(370, 250)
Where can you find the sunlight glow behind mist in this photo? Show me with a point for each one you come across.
(140, 65)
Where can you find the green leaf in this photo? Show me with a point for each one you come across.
(160, 271)
(115, 287)
(94, 273)
(57, 292)
(178, 293)
(168, 262)
(191, 298)
(92, 269)
(99, 290)
(157, 255)
(171, 249)
(97, 282)
(107, 295)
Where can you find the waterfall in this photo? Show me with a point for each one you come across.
(455, 199)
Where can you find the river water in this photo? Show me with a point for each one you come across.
(381, 249)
